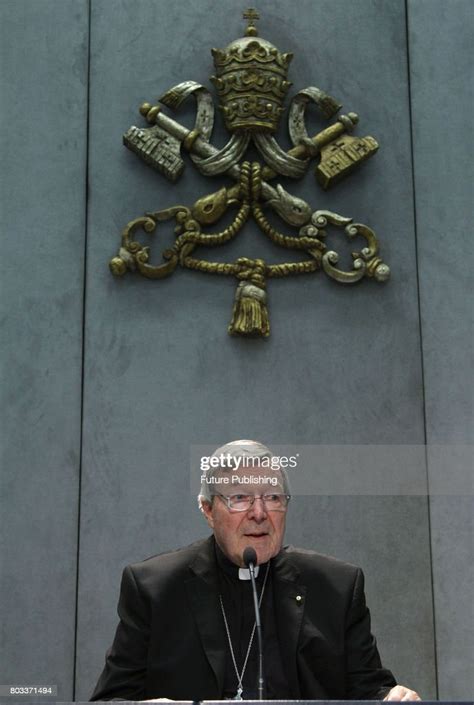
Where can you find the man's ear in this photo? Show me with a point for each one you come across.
(207, 511)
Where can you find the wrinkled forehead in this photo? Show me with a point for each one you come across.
(245, 466)
(256, 479)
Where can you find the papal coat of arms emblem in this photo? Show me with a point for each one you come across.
(251, 84)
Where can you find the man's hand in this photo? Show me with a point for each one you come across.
(399, 692)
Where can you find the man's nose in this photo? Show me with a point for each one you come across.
(258, 510)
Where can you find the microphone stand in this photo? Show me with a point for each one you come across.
(258, 624)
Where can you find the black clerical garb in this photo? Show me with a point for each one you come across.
(171, 641)
(237, 600)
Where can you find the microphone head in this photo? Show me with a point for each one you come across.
(249, 556)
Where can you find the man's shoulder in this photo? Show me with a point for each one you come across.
(313, 564)
(175, 562)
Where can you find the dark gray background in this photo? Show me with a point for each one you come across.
(106, 384)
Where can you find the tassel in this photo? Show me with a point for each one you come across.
(250, 315)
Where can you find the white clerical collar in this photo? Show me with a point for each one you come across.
(244, 573)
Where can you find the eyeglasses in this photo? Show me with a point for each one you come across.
(243, 502)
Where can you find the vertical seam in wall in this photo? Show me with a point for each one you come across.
(415, 223)
(84, 292)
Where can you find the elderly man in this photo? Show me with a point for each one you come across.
(187, 620)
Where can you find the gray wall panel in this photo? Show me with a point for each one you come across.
(42, 201)
(342, 365)
(441, 63)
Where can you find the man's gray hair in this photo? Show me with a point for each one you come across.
(253, 451)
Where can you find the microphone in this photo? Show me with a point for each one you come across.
(250, 560)
(250, 557)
